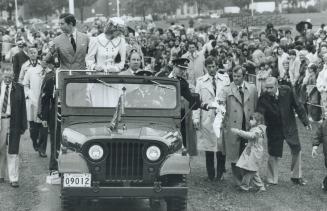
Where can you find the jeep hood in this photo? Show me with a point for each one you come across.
(81, 133)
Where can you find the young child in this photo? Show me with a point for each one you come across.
(262, 74)
(321, 137)
(251, 157)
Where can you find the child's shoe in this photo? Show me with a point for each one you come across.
(244, 188)
(261, 189)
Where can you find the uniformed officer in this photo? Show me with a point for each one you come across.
(193, 102)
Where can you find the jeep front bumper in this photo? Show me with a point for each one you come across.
(125, 192)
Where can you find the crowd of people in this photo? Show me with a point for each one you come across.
(259, 82)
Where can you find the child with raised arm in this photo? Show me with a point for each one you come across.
(251, 157)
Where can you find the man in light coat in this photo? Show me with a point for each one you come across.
(240, 98)
(208, 86)
(32, 81)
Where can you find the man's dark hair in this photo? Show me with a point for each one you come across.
(270, 26)
(211, 37)
(262, 33)
(69, 18)
(238, 68)
(272, 38)
(292, 52)
(288, 31)
(191, 43)
(311, 48)
(210, 60)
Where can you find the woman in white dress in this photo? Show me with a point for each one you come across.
(106, 47)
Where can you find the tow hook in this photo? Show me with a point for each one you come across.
(157, 187)
(96, 186)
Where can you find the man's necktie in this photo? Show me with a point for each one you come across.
(242, 140)
(240, 89)
(72, 40)
(5, 100)
(214, 85)
(276, 97)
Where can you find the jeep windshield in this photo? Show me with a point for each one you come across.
(106, 95)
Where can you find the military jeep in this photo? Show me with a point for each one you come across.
(120, 138)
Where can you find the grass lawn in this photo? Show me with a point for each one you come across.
(205, 196)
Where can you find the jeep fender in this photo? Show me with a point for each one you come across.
(176, 164)
(72, 162)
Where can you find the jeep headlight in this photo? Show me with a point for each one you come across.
(96, 152)
(153, 153)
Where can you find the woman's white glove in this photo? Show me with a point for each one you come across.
(98, 68)
(314, 152)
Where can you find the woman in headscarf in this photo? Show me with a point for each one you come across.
(107, 51)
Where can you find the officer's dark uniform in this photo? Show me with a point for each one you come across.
(193, 100)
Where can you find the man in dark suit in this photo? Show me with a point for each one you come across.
(13, 121)
(47, 112)
(278, 104)
(19, 59)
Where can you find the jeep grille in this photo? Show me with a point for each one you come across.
(125, 161)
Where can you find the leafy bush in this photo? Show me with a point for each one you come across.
(310, 9)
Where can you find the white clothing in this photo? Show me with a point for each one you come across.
(2, 95)
(294, 68)
(222, 81)
(99, 95)
(322, 80)
(13, 166)
(196, 67)
(210, 123)
(280, 60)
(32, 86)
(102, 52)
(6, 45)
(3, 147)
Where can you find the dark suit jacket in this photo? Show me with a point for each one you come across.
(18, 60)
(18, 120)
(194, 101)
(280, 120)
(46, 107)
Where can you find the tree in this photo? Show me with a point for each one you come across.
(41, 8)
(242, 3)
(293, 3)
(59, 4)
(81, 4)
(9, 6)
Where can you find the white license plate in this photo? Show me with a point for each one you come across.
(77, 180)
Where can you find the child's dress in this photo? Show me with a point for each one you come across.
(251, 157)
